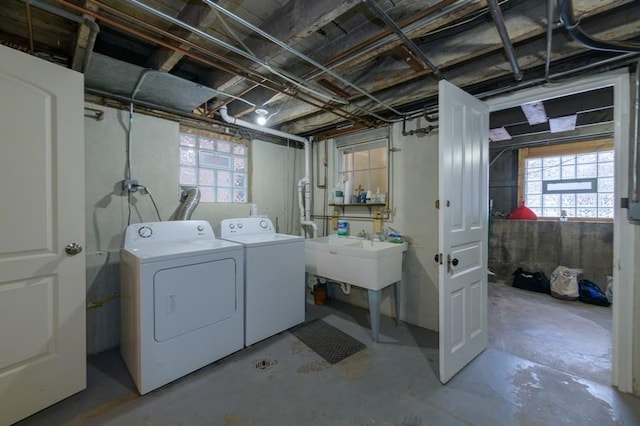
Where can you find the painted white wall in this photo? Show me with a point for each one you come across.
(414, 168)
(154, 162)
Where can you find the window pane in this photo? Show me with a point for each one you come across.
(533, 201)
(379, 158)
(188, 156)
(568, 200)
(224, 146)
(215, 160)
(348, 162)
(551, 173)
(240, 149)
(207, 143)
(586, 158)
(605, 184)
(536, 210)
(361, 179)
(586, 200)
(568, 172)
(570, 212)
(239, 195)
(534, 163)
(207, 177)
(551, 162)
(605, 169)
(188, 176)
(605, 213)
(586, 171)
(605, 156)
(534, 187)
(605, 200)
(187, 139)
(207, 194)
(379, 180)
(568, 160)
(361, 160)
(534, 174)
(586, 212)
(224, 178)
(551, 200)
(240, 180)
(551, 212)
(223, 195)
(239, 164)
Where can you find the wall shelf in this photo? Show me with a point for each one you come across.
(367, 205)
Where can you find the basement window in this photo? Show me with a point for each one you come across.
(365, 165)
(576, 180)
(218, 167)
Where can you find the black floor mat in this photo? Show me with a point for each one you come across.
(327, 341)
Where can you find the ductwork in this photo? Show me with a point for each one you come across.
(565, 11)
(304, 184)
(191, 201)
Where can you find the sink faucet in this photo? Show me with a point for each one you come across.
(363, 234)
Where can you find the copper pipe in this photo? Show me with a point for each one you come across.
(27, 7)
(334, 110)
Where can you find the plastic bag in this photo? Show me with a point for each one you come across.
(564, 283)
(532, 281)
(609, 291)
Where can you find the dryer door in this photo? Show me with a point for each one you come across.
(190, 297)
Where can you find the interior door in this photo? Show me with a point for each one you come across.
(463, 214)
(42, 287)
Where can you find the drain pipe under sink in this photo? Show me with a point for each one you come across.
(305, 182)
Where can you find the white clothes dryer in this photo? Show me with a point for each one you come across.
(274, 276)
(182, 294)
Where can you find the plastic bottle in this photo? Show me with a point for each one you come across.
(347, 191)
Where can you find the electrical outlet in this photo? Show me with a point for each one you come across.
(130, 185)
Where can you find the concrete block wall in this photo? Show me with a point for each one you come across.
(543, 245)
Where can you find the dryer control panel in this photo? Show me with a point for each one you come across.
(246, 226)
(171, 231)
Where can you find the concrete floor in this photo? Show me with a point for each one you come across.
(548, 363)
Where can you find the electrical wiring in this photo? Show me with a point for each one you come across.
(146, 191)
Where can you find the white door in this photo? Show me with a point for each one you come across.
(463, 191)
(42, 288)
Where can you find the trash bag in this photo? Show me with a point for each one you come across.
(564, 283)
(609, 291)
(590, 292)
(532, 281)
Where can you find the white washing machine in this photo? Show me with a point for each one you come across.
(274, 276)
(182, 294)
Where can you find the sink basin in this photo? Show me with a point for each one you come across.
(364, 263)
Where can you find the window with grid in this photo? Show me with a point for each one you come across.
(219, 168)
(365, 165)
(577, 184)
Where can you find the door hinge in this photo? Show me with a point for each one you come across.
(437, 204)
(448, 203)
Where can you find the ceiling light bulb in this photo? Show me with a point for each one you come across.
(262, 111)
(262, 120)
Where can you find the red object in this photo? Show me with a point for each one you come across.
(523, 212)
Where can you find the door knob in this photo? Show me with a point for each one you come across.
(451, 262)
(454, 261)
(73, 248)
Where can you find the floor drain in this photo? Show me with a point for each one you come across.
(265, 364)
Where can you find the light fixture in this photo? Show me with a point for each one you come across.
(262, 113)
(535, 113)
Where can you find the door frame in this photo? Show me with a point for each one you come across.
(624, 233)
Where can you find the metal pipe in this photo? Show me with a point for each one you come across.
(565, 12)
(406, 40)
(496, 14)
(636, 136)
(55, 10)
(278, 71)
(27, 7)
(547, 63)
(298, 54)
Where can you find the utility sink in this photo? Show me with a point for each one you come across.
(369, 264)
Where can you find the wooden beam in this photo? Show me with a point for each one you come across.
(82, 40)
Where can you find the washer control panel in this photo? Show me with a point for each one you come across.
(246, 226)
(157, 232)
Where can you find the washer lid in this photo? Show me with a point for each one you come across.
(266, 239)
(176, 250)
